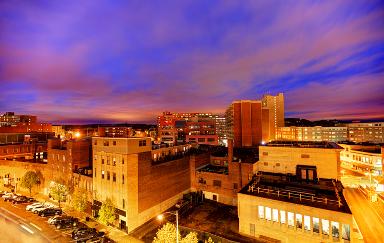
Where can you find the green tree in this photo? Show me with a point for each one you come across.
(167, 234)
(107, 212)
(209, 240)
(29, 180)
(58, 191)
(79, 199)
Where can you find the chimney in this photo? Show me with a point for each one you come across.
(230, 150)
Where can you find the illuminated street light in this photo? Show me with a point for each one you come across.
(77, 134)
(176, 213)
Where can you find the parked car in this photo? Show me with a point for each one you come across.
(66, 222)
(21, 199)
(83, 234)
(7, 196)
(33, 205)
(37, 209)
(50, 212)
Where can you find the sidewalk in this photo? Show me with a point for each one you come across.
(111, 232)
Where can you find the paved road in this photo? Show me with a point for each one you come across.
(13, 216)
(370, 223)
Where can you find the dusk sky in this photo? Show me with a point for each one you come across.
(127, 61)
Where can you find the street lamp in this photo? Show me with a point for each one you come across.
(176, 213)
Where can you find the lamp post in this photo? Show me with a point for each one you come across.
(176, 213)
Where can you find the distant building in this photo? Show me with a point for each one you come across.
(296, 195)
(173, 128)
(317, 133)
(366, 132)
(11, 123)
(252, 122)
(362, 157)
(118, 132)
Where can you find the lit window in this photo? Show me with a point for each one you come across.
(275, 215)
(307, 223)
(346, 233)
(325, 228)
(282, 217)
(261, 212)
(268, 214)
(299, 221)
(335, 229)
(291, 221)
(316, 226)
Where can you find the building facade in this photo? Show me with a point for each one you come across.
(296, 195)
(317, 133)
(366, 132)
(141, 182)
(275, 105)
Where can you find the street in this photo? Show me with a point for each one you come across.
(367, 218)
(16, 222)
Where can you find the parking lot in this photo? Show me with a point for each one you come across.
(37, 224)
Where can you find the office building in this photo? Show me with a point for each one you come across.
(275, 104)
(366, 132)
(316, 133)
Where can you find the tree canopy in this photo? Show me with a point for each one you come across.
(29, 180)
(167, 234)
(58, 191)
(107, 212)
(79, 199)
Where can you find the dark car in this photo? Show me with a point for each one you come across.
(83, 234)
(22, 199)
(50, 212)
(66, 222)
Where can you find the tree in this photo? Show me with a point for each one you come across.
(107, 212)
(79, 199)
(209, 240)
(167, 234)
(29, 180)
(58, 191)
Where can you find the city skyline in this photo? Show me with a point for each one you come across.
(119, 62)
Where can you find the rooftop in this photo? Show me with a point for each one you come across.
(324, 193)
(243, 155)
(214, 169)
(304, 144)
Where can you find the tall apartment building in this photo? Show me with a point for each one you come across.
(317, 133)
(296, 195)
(142, 182)
(366, 132)
(275, 104)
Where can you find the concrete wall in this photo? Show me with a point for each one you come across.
(285, 159)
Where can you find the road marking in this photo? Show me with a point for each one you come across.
(27, 229)
(34, 225)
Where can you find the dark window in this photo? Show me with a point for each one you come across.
(114, 143)
(304, 156)
(202, 181)
(214, 197)
(123, 179)
(102, 161)
(277, 164)
(95, 142)
(106, 143)
(102, 174)
(114, 162)
(265, 163)
(201, 140)
(142, 143)
(114, 177)
(122, 160)
(234, 185)
(217, 183)
(123, 203)
(108, 175)
(107, 161)
(265, 153)
(211, 139)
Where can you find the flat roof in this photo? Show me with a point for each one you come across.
(325, 193)
(214, 169)
(304, 144)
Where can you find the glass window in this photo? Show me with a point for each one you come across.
(268, 214)
(325, 226)
(307, 223)
(261, 212)
(275, 215)
(291, 221)
(346, 233)
(316, 225)
(335, 229)
(299, 221)
(282, 217)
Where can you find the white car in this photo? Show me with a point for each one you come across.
(33, 205)
(7, 196)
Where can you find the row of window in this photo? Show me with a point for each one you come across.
(15, 150)
(304, 222)
(106, 143)
(108, 177)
